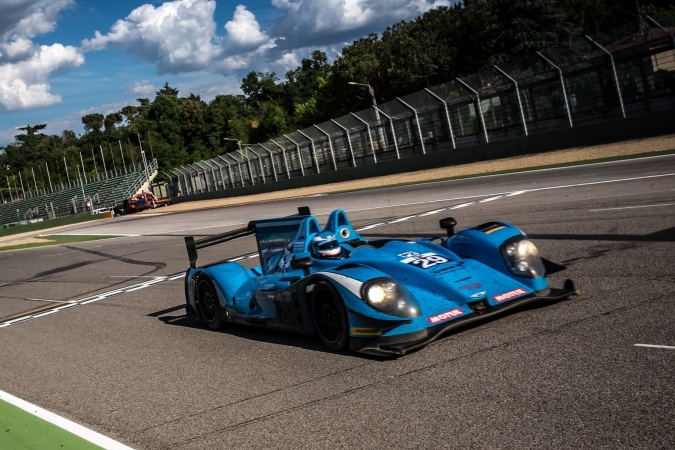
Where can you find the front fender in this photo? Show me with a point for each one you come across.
(483, 244)
(348, 280)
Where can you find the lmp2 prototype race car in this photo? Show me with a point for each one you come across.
(377, 296)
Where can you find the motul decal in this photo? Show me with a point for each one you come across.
(509, 295)
(438, 318)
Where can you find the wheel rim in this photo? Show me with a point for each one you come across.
(328, 319)
(207, 302)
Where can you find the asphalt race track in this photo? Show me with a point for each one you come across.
(594, 371)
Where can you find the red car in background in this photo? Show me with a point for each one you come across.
(144, 200)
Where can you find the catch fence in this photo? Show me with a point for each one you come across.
(612, 79)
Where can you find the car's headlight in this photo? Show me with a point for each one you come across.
(522, 257)
(386, 295)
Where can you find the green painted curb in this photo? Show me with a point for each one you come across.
(22, 430)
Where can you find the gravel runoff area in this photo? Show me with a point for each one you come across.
(633, 147)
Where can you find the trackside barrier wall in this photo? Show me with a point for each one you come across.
(612, 90)
(612, 131)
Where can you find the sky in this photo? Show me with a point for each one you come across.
(63, 59)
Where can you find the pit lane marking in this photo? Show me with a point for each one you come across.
(667, 347)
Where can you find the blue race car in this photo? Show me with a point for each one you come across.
(376, 296)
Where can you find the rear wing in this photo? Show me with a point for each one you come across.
(193, 244)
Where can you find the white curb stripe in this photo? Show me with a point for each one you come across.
(63, 423)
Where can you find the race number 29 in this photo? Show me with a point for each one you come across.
(423, 260)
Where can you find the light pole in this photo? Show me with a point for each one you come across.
(238, 163)
(372, 98)
(84, 197)
(145, 163)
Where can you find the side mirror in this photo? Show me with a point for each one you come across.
(302, 263)
(448, 224)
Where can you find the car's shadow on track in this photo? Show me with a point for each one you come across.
(253, 333)
(312, 343)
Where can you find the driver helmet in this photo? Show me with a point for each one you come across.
(324, 245)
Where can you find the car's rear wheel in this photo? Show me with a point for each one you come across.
(329, 316)
(208, 304)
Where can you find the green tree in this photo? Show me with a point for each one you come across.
(111, 120)
(522, 27)
(129, 112)
(260, 87)
(93, 122)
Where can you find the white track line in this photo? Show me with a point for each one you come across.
(668, 347)
(631, 207)
(94, 298)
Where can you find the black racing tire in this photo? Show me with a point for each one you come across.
(329, 316)
(207, 303)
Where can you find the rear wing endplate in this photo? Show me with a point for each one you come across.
(193, 244)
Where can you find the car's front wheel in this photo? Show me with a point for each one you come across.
(329, 316)
(208, 304)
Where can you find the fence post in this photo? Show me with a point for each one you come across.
(297, 147)
(330, 145)
(349, 141)
(213, 176)
(260, 163)
(241, 175)
(616, 76)
(480, 109)
(417, 119)
(283, 153)
(229, 171)
(316, 160)
(447, 115)
(520, 103)
(370, 136)
(393, 133)
(564, 90)
(274, 170)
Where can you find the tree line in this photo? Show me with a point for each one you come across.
(442, 44)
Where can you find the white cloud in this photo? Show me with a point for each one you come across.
(143, 88)
(24, 84)
(25, 68)
(181, 37)
(243, 31)
(178, 36)
(29, 18)
(16, 50)
(288, 61)
(329, 21)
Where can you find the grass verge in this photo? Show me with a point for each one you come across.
(58, 222)
(55, 240)
(21, 429)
